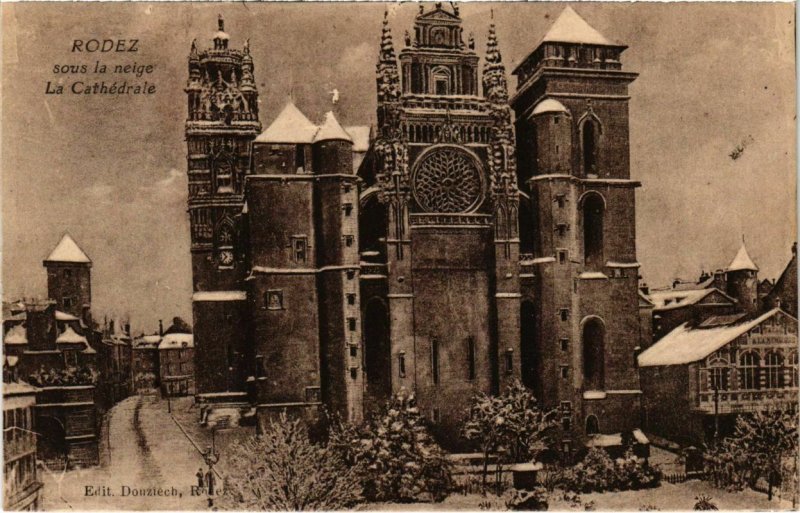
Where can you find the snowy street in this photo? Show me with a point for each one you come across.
(152, 465)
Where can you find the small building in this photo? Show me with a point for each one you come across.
(176, 364)
(144, 364)
(22, 487)
(697, 378)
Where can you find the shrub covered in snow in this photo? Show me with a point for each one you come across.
(282, 470)
(510, 425)
(599, 473)
(761, 446)
(396, 457)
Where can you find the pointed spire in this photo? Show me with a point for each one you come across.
(388, 79)
(742, 261)
(68, 250)
(193, 51)
(331, 130)
(495, 87)
(569, 27)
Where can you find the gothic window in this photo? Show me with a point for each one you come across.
(435, 361)
(274, 300)
(589, 132)
(448, 180)
(749, 370)
(224, 172)
(592, 425)
(593, 211)
(593, 354)
(774, 370)
(401, 364)
(470, 358)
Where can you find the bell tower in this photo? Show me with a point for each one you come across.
(572, 141)
(221, 123)
(445, 182)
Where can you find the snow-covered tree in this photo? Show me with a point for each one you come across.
(510, 425)
(281, 470)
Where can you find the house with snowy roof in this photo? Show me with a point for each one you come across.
(729, 291)
(697, 378)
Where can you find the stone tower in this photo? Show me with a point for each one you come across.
(69, 278)
(302, 211)
(222, 121)
(580, 329)
(439, 281)
(741, 281)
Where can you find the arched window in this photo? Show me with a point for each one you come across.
(593, 210)
(592, 425)
(593, 355)
(440, 80)
(589, 138)
(774, 370)
(718, 374)
(749, 370)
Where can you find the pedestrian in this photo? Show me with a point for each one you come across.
(210, 482)
(200, 482)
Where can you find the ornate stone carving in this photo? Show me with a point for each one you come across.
(448, 180)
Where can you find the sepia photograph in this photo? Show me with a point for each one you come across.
(413, 256)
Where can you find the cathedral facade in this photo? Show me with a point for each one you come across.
(451, 258)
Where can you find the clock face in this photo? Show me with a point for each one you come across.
(226, 257)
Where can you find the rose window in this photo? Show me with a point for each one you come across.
(448, 180)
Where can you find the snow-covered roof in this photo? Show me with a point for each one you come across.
(360, 136)
(686, 345)
(67, 250)
(17, 335)
(331, 130)
(671, 299)
(290, 127)
(742, 261)
(220, 295)
(18, 388)
(615, 439)
(64, 316)
(147, 341)
(70, 337)
(569, 27)
(221, 34)
(548, 105)
(177, 341)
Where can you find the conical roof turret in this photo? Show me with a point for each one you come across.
(331, 130)
(742, 261)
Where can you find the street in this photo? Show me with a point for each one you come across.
(152, 466)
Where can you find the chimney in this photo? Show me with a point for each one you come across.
(160, 328)
(719, 280)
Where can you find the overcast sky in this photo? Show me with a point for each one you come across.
(111, 171)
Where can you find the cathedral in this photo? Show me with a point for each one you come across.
(471, 239)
